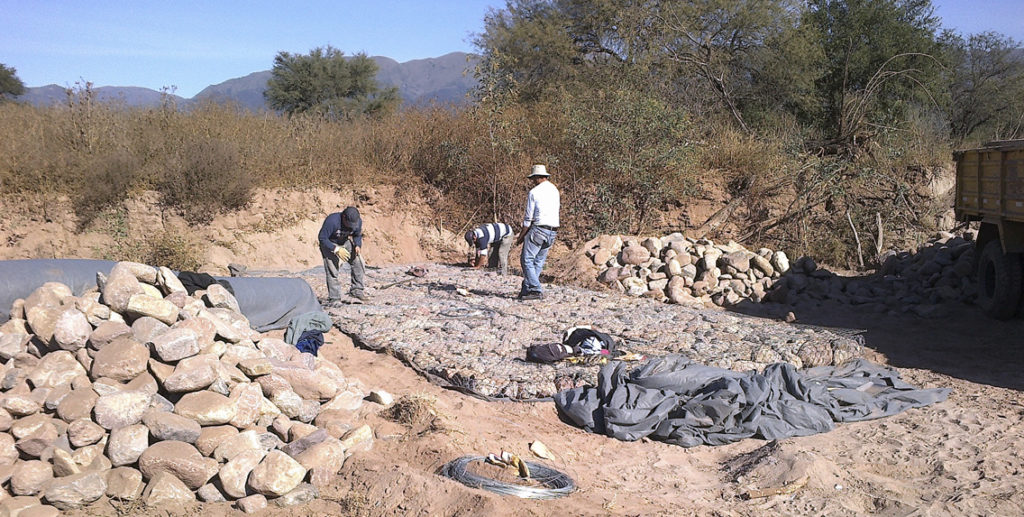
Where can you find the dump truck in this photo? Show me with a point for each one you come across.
(990, 189)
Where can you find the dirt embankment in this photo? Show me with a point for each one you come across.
(277, 231)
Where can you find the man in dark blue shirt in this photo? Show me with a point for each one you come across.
(341, 238)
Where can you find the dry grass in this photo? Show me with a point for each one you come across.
(411, 410)
(469, 163)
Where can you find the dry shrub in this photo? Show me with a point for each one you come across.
(619, 157)
(176, 249)
(354, 503)
(412, 410)
(113, 176)
(205, 180)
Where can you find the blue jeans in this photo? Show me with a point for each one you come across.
(536, 245)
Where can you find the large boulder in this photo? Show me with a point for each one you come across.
(127, 443)
(206, 407)
(76, 490)
(276, 475)
(121, 408)
(72, 330)
(179, 459)
(123, 359)
(164, 489)
(55, 369)
(234, 475)
(169, 426)
(140, 305)
(175, 344)
(635, 255)
(120, 286)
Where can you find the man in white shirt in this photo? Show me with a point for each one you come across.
(540, 226)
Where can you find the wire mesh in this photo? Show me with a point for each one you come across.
(556, 483)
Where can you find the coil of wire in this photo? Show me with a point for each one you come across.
(556, 483)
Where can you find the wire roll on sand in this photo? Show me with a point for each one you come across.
(556, 483)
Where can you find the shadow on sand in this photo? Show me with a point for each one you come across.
(964, 343)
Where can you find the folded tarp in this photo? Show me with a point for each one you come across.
(268, 303)
(677, 401)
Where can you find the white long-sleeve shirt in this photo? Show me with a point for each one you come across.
(542, 205)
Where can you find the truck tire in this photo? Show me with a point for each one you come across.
(999, 281)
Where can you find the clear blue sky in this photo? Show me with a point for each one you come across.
(193, 44)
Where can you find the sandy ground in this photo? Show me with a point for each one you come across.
(960, 457)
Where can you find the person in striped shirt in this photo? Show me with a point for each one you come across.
(497, 236)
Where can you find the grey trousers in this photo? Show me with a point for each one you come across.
(332, 265)
(500, 259)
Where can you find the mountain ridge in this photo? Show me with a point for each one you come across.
(444, 79)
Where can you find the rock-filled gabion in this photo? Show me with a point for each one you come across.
(466, 326)
(137, 390)
(693, 272)
(922, 281)
(700, 273)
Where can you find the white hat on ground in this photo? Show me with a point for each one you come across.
(538, 170)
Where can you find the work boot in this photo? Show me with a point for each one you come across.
(359, 295)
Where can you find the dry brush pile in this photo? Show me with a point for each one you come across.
(139, 391)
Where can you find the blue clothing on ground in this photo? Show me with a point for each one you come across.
(536, 245)
(310, 341)
(339, 227)
(313, 320)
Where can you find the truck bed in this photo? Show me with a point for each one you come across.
(989, 182)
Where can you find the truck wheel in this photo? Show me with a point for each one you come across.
(999, 281)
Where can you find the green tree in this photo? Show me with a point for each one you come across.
(986, 85)
(706, 56)
(10, 85)
(718, 42)
(525, 52)
(880, 59)
(328, 83)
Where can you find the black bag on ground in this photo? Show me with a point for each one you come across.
(547, 353)
(196, 281)
(575, 337)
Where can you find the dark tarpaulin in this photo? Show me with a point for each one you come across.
(677, 401)
(268, 303)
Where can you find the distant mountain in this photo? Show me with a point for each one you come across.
(421, 81)
(245, 91)
(133, 96)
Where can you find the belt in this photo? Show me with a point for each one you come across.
(548, 228)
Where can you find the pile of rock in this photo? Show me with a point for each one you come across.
(695, 272)
(139, 390)
(701, 273)
(922, 281)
